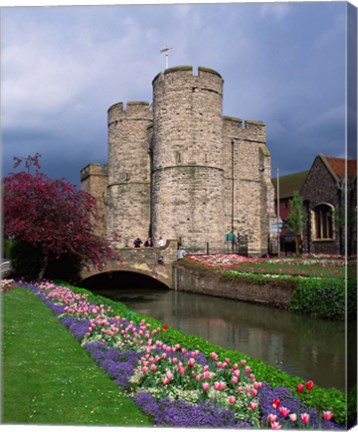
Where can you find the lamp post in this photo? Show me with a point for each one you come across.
(278, 211)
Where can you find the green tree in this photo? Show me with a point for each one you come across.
(296, 218)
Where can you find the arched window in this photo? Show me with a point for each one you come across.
(322, 223)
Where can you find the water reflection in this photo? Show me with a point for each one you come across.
(308, 348)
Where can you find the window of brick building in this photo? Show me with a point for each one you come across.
(322, 222)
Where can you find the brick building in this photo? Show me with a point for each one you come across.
(288, 185)
(330, 182)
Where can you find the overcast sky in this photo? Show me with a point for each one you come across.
(63, 67)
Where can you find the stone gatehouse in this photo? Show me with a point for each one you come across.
(180, 169)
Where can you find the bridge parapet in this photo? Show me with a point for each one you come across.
(155, 262)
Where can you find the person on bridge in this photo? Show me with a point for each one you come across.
(137, 242)
(148, 242)
(161, 242)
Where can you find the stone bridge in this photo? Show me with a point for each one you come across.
(155, 262)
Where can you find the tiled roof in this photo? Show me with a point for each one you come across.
(290, 183)
(338, 166)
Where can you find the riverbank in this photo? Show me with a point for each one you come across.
(318, 398)
(316, 287)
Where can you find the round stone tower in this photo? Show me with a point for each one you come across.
(187, 161)
(129, 172)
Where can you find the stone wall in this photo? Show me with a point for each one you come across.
(187, 182)
(187, 278)
(129, 171)
(94, 179)
(248, 186)
(179, 169)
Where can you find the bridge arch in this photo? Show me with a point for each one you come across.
(123, 279)
(153, 262)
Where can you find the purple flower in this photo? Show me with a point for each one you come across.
(118, 365)
(77, 327)
(179, 413)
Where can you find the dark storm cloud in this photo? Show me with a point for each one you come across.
(283, 63)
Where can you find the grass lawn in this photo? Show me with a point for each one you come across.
(292, 269)
(48, 378)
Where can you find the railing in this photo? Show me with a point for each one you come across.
(239, 247)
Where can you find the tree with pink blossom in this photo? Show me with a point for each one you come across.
(51, 215)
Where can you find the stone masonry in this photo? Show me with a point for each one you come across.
(179, 169)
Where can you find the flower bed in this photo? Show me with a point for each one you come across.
(305, 266)
(175, 385)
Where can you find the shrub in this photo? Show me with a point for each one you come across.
(26, 259)
(320, 298)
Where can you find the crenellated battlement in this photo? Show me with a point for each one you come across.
(187, 73)
(245, 124)
(94, 169)
(137, 110)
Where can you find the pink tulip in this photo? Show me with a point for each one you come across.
(169, 375)
(284, 411)
(309, 385)
(144, 369)
(205, 386)
(272, 418)
(153, 368)
(234, 379)
(239, 389)
(293, 417)
(300, 388)
(214, 356)
(327, 415)
(231, 399)
(207, 375)
(165, 381)
(305, 418)
(253, 405)
(247, 389)
(247, 369)
(276, 403)
(198, 377)
(254, 392)
(191, 362)
(219, 365)
(276, 425)
(243, 362)
(237, 373)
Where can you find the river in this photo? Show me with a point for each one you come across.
(301, 346)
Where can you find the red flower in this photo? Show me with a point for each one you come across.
(300, 388)
(309, 385)
(165, 327)
(276, 403)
